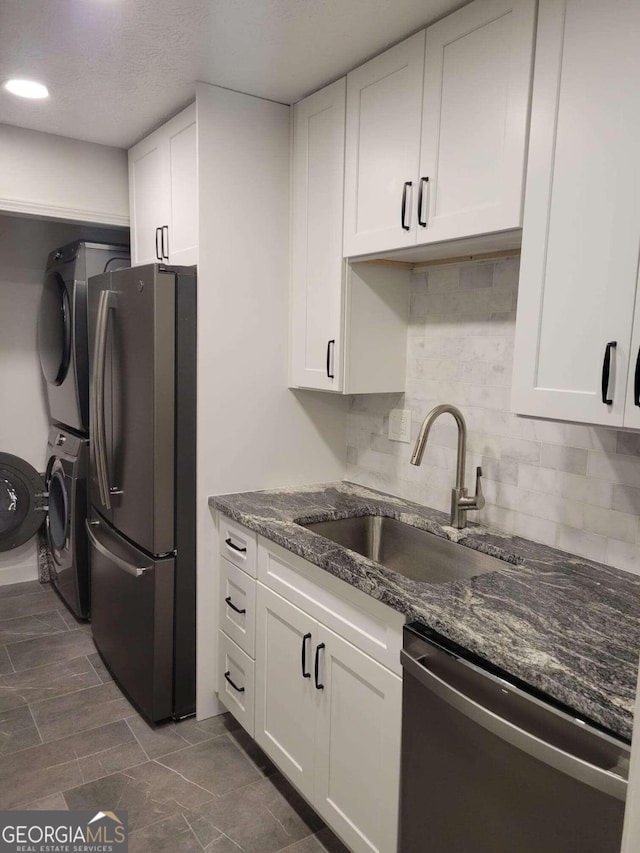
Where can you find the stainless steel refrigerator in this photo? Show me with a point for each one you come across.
(141, 525)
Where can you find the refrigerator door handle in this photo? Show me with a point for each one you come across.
(95, 396)
(136, 571)
(107, 303)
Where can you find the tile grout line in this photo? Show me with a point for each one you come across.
(311, 835)
(55, 740)
(49, 663)
(96, 671)
(253, 763)
(195, 835)
(126, 722)
(187, 744)
(69, 693)
(35, 616)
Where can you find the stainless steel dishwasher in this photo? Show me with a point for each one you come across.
(489, 766)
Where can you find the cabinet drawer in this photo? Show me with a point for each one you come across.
(238, 545)
(370, 625)
(238, 593)
(237, 667)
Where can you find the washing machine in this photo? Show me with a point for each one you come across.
(62, 327)
(59, 500)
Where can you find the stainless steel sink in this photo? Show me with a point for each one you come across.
(411, 552)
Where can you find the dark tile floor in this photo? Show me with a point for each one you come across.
(69, 739)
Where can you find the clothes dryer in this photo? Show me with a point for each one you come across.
(62, 327)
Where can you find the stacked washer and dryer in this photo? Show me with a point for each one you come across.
(60, 500)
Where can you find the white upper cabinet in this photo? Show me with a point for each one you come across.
(148, 200)
(316, 223)
(348, 324)
(384, 107)
(182, 183)
(632, 406)
(581, 230)
(163, 193)
(436, 140)
(474, 120)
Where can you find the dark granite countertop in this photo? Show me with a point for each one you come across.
(565, 625)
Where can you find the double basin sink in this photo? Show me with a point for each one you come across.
(409, 551)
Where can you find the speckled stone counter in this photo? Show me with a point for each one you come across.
(565, 625)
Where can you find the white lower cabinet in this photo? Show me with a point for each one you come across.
(329, 716)
(236, 681)
(357, 757)
(310, 667)
(286, 700)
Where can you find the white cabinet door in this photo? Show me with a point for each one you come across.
(180, 136)
(285, 701)
(474, 120)
(357, 772)
(582, 213)
(632, 407)
(163, 193)
(147, 198)
(384, 109)
(316, 234)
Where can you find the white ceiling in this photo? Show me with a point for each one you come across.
(118, 68)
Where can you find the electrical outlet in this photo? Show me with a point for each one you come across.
(400, 425)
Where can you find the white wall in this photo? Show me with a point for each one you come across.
(24, 423)
(253, 433)
(55, 177)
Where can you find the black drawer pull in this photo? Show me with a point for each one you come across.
(232, 605)
(330, 347)
(636, 382)
(606, 369)
(317, 667)
(403, 209)
(158, 234)
(235, 547)
(227, 675)
(165, 252)
(305, 674)
(421, 221)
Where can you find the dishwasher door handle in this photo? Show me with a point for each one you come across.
(585, 772)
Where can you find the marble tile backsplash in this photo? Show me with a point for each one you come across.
(571, 486)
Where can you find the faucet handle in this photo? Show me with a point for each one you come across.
(479, 497)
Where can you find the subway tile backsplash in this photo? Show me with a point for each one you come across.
(567, 485)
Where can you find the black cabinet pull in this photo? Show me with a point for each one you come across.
(233, 607)
(403, 209)
(606, 368)
(165, 252)
(330, 346)
(317, 667)
(227, 675)
(158, 233)
(636, 382)
(235, 547)
(421, 221)
(305, 674)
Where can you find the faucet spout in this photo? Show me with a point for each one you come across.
(460, 502)
(425, 429)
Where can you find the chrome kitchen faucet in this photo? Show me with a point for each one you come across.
(460, 502)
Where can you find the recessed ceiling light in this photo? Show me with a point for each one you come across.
(26, 89)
